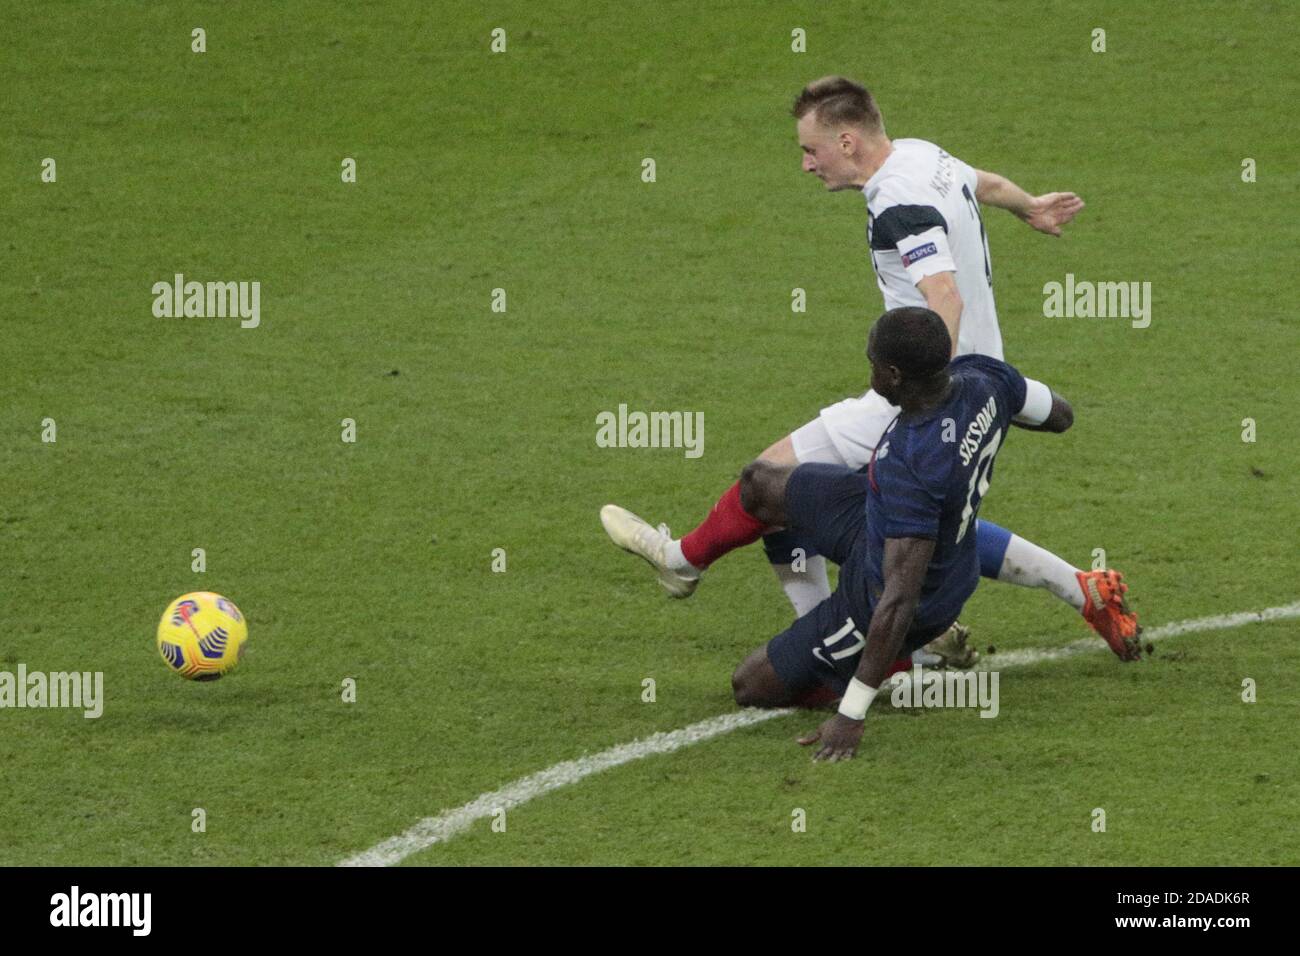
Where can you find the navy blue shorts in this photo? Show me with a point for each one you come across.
(828, 504)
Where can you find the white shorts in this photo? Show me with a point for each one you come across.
(845, 433)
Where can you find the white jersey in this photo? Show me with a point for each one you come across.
(922, 219)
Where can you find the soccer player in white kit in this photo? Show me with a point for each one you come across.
(928, 248)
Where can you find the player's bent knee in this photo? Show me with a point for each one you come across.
(754, 683)
(759, 495)
(744, 690)
(750, 487)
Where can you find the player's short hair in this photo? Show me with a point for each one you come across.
(914, 340)
(838, 101)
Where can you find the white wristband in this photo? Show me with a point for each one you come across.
(1038, 404)
(857, 699)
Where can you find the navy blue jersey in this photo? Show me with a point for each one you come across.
(928, 476)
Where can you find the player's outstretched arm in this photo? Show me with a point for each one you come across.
(906, 560)
(1046, 213)
(1044, 410)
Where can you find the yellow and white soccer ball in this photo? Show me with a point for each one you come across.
(201, 635)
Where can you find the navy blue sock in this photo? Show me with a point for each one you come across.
(991, 543)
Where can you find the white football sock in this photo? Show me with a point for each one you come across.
(807, 588)
(676, 561)
(1030, 566)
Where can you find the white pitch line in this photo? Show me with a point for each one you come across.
(1217, 622)
(440, 829)
(446, 825)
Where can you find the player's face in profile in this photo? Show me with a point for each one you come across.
(823, 155)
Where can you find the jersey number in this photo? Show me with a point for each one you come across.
(975, 210)
(857, 643)
(979, 483)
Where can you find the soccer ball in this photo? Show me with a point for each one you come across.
(201, 635)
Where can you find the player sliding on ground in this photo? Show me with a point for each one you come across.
(902, 530)
(928, 248)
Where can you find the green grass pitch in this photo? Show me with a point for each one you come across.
(476, 429)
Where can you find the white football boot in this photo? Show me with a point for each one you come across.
(637, 537)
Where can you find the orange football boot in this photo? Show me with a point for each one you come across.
(1106, 610)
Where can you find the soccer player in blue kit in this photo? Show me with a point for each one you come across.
(902, 529)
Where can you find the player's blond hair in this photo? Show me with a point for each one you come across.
(838, 101)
